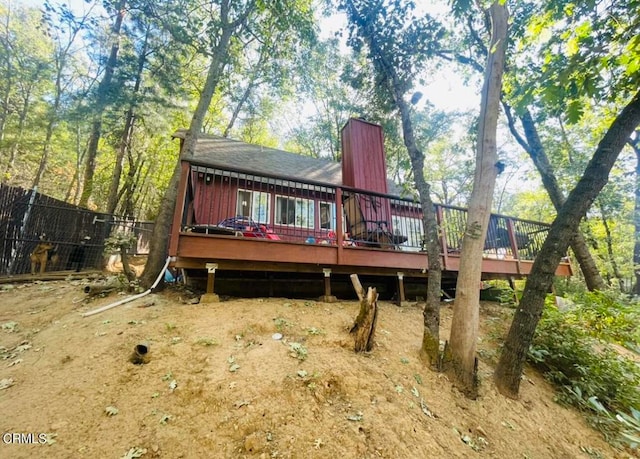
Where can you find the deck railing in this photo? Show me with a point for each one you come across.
(234, 202)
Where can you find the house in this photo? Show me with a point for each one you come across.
(245, 208)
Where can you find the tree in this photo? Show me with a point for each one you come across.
(464, 326)
(579, 70)
(397, 43)
(634, 142)
(124, 143)
(24, 72)
(519, 72)
(101, 101)
(65, 28)
(327, 83)
(231, 21)
(509, 369)
(533, 146)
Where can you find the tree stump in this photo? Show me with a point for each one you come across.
(364, 327)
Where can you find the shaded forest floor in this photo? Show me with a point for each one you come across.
(217, 384)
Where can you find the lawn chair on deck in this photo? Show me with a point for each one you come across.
(372, 233)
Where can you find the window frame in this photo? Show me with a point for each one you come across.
(310, 217)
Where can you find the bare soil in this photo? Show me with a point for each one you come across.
(218, 385)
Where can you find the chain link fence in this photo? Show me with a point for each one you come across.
(77, 235)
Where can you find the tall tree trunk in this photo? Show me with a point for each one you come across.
(7, 80)
(431, 315)
(609, 242)
(533, 146)
(509, 369)
(101, 103)
(124, 144)
(634, 142)
(159, 237)
(430, 348)
(127, 133)
(15, 146)
(130, 185)
(53, 121)
(74, 187)
(239, 105)
(464, 326)
(61, 55)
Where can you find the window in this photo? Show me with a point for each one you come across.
(253, 205)
(295, 212)
(327, 215)
(410, 227)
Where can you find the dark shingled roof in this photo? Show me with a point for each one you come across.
(233, 154)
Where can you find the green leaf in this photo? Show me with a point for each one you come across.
(572, 46)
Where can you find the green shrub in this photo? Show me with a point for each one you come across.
(571, 349)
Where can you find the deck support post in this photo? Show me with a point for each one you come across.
(210, 296)
(327, 297)
(401, 296)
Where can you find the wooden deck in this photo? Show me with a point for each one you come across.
(208, 194)
(250, 254)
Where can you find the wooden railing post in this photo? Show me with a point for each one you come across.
(339, 231)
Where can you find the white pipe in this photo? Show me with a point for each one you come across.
(131, 298)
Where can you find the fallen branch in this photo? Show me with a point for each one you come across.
(97, 288)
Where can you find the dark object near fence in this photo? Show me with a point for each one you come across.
(77, 257)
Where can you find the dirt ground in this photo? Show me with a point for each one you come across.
(218, 385)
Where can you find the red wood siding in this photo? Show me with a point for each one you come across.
(214, 199)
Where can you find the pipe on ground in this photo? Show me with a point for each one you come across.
(131, 298)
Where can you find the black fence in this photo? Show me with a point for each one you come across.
(77, 235)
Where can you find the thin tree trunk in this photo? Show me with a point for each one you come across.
(7, 80)
(53, 121)
(101, 103)
(533, 146)
(509, 369)
(76, 175)
(61, 54)
(236, 111)
(159, 237)
(134, 177)
(18, 140)
(634, 141)
(125, 140)
(430, 348)
(607, 231)
(431, 315)
(464, 326)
